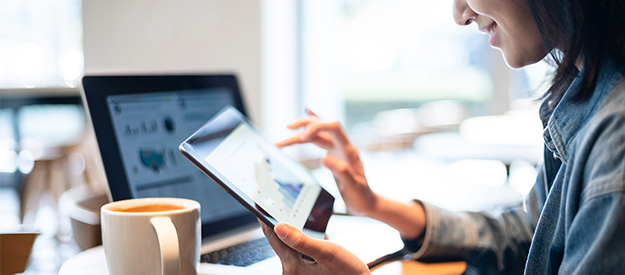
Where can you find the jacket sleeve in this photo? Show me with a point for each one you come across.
(491, 242)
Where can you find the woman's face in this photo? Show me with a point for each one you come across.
(511, 27)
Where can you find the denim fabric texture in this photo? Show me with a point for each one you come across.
(574, 221)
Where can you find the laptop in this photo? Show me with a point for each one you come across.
(139, 121)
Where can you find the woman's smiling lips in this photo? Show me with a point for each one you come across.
(490, 30)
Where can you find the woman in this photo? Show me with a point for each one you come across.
(575, 219)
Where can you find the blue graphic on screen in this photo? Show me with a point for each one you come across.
(290, 187)
(290, 192)
(153, 159)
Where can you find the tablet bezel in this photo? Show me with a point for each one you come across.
(222, 124)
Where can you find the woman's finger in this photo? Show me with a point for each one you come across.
(296, 139)
(338, 166)
(341, 170)
(278, 246)
(298, 241)
(334, 128)
(311, 113)
(324, 141)
(300, 123)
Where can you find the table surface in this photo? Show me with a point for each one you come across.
(93, 262)
(341, 230)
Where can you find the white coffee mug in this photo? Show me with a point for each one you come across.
(152, 236)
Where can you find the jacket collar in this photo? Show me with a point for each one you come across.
(563, 122)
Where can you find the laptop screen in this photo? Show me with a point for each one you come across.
(139, 122)
(149, 127)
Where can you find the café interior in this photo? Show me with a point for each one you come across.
(435, 112)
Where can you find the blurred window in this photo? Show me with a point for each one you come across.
(363, 57)
(41, 48)
(41, 43)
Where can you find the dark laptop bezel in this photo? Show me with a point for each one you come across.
(96, 88)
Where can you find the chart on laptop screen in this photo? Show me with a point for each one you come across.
(150, 126)
(283, 189)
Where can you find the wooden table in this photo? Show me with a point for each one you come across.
(414, 267)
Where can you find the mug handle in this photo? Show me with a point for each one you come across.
(168, 244)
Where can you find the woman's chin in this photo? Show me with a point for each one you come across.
(515, 61)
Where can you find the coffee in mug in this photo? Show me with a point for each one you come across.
(152, 236)
(149, 208)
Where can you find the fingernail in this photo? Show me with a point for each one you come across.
(281, 231)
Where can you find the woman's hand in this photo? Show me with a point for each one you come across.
(292, 244)
(343, 160)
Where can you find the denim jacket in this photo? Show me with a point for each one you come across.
(574, 217)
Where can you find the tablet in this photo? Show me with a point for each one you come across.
(274, 187)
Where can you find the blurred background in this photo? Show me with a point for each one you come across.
(435, 111)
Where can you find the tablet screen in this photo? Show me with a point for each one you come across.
(257, 173)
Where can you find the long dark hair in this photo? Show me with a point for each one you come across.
(584, 31)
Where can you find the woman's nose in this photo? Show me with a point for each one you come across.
(463, 14)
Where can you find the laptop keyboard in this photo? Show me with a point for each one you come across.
(243, 254)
